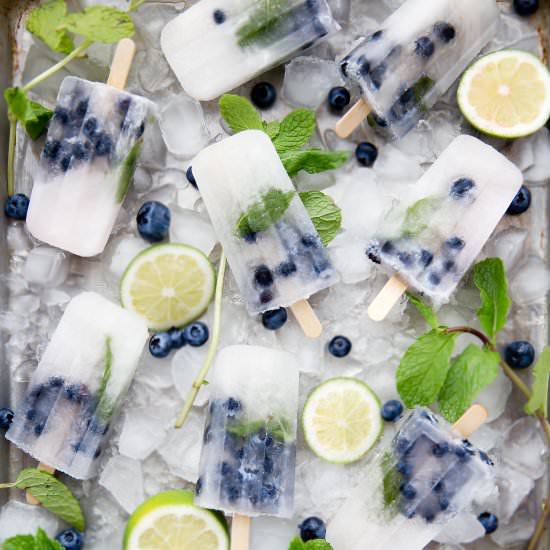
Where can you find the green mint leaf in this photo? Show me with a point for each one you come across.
(418, 215)
(134, 5)
(239, 113)
(296, 544)
(490, 279)
(325, 215)
(295, 130)
(43, 22)
(31, 115)
(280, 429)
(420, 88)
(53, 495)
(423, 369)
(313, 161)
(100, 24)
(470, 372)
(391, 481)
(40, 541)
(127, 171)
(264, 213)
(264, 18)
(318, 544)
(424, 309)
(272, 128)
(105, 406)
(43, 542)
(539, 397)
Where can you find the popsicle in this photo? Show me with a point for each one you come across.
(215, 46)
(272, 247)
(414, 57)
(412, 489)
(88, 160)
(78, 386)
(434, 234)
(248, 458)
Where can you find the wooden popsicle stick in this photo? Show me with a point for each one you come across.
(359, 112)
(121, 64)
(307, 319)
(240, 532)
(387, 298)
(471, 420)
(43, 468)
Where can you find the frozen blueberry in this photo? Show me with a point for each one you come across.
(6, 418)
(61, 115)
(140, 130)
(39, 427)
(461, 187)
(219, 17)
(263, 95)
(377, 75)
(339, 346)
(373, 253)
(434, 279)
(286, 269)
(266, 296)
(366, 154)
(408, 491)
(55, 382)
(70, 539)
(376, 36)
(406, 258)
(344, 66)
(485, 458)
(521, 202)
(82, 108)
(338, 99)
(90, 128)
(438, 487)
(489, 522)
(177, 336)
(454, 244)
(388, 248)
(424, 47)
(268, 493)
(51, 149)
(198, 486)
(428, 514)
(190, 177)
(263, 276)
(196, 334)
(65, 162)
(440, 449)
(378, 120)
(404, 446)
(153, 221)
(392, 410)
(449, 266)
(311, 241)
(404, 468)
(426, 257)
(82, 150)
(274, 319)
(124, 104)
(16, 206)
(77, 393)
(519, 354)
(462, 454)
(312, 528)
(231, 491)
(103, 145)
(160, 344)
(444, 503)
(364, 65)
(445, 31)
(526, 7)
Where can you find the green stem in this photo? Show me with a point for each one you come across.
(7, 485)
(11, 155)
(541, 526)
(212, 349)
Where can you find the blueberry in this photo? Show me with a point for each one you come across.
(226, 469)
(434, 279)
(364, 65)
(196, 334)
(177, 337)
(454, 244)
(70, 539)
(388, 248)
(274, 319)
(521, 202)
(485, 458)
(407, 96)
(232, 491)
(445, 31)
(408, 491)
(392, 410)
(190, 177)
(424, 47)
(103, 145)
(6, 418)
(97, 453)
(312, 528)
(376, 36)
(449, 265)
(268, 493)
(338, 99)
(519, 354)
(153, 221)
(429, 515)
(82, 150)
(198, 486)
(140, 130)
(461, 187)
(440, 449)
(344, 66)
(286, 269)
(404, 446)
(39, 427)
(377, 75)
(489, 522)
(16, 206)
(266, 296)
(438, 487)
(219, 17)
(404, 468)
(61, 115)
(444, 503)
(77, 393)
(263, 95)
(462, 454)
(124, 104)
(526, 7)
(55, 382)
(65, 162)
(366, 154)
(250, 237)
(263, 276)
(90, 127)
(311, 241)
(406, 258)
(51, 149)
(82, 108)
(268, 465)
(378, 120)
(31, 414)
(160, 344)
(373, 253)
(339, 346)
(426, 257)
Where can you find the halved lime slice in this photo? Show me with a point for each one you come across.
(341, 420)
(169, 285)
(170, 521)
(506, 94)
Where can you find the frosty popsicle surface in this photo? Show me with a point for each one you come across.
(412, 489)
(215, 46)
(79, 384)
(248, 459)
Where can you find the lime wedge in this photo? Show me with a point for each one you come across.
(170, 521)
(506, 94)
(341, 420)
(169, 285)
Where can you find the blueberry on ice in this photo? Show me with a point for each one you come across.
(339, 346)
(177, 336)
(526, 7)
(70, 539)
(51, 149)
(219, 17)
(16, 206)
(190, 177)
(263, 95)
(519, 354)
(338, 99)
(274, 319)
(461, 187)
(444, 503)
(489, 522)
(160, 344)
(153, 221)
(6, 418)
(521, 202)
(312, 528)
(445, 31)
(392, 410)
(286, 269)
(408, 491)
(424, 47)
(366, 154)
(196, 334)
(263, 276)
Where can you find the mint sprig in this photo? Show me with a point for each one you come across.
(425, 310)
(325, 215)
(240, 114)
(294, 130)
(539, 398)
(317, 544)
(44, 22)
(40, 541)
(30, 114)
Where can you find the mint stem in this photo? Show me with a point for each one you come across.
(541, 526)
(11, 155)
(7, 485)
(212, 349)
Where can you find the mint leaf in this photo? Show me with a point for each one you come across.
(100, 24)
(296, 544)
(105, 405)
(318, 544)
(265, 16)
(391, 481)
(424, 309)
(470, 372)
(423, 369)
(127, 171)
(419, 214)
(134, 5)
(43, 22)
(33, 116)
(53, 495)
(325, 215)
(313, 161)
(490, 279)
(272, 128)
(239, 113)
(43, 542)
(27, 542)
(420, 88)
(295, 130)
(539, 397)
(281, 429)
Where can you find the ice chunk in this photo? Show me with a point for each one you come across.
(513, 486)
(121, 252)
(18, 239)
(142, 180)
(46, 266)
(309, 352)
(122, 477)
(518, 530)
(531, 282)
(185, 366)
(485, 437)
(17, 518)
(507, 245)
(495, 396)
(540, 171)
(349, 257)
(268, 533)
(463, 528)
(154, 74)
(190, 227)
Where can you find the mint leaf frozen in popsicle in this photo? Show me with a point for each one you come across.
(32, 116)
(105, 405)
(418, 215)
(539, 396)
(264, 17)
(43, 22)
(324, 213)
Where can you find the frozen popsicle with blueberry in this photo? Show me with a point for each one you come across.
(248, 458)
(239, 39)
(88, 160)
(428, 474)
(412, 59)
(79, 384)
(432, 237)
(271, 244)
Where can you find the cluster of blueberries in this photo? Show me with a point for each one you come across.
(162, 343)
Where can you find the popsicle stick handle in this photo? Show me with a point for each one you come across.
(121, 64)
(471, 420)
(386, 299)
(44, 468)
(351, 120)
(240, 532)
(307, 319)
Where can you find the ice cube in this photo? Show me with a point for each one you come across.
(348, 255)
(508, 245)
(309, 352)
(190, 227)
(540, 171)
(25, 304)
(154, 373)
(485, 437)
(272, 533)
(340, 10)
(154, 73)
(46, 266)
(518, 530)
(465, 527)
(17, 239)
(531, 282)
(121, 252)
(186, 364)
(17, 518)
(122, 477)
(142, 180)
(513, 486)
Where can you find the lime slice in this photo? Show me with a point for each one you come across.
(506, 94)
(169, 285)
(341, 420)
(170, 521)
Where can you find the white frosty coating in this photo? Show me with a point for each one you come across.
(232, 176)
(370, 520)
(211, 58)
(77, 194)
(394, 66)
(441, 216)
(59, 422)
